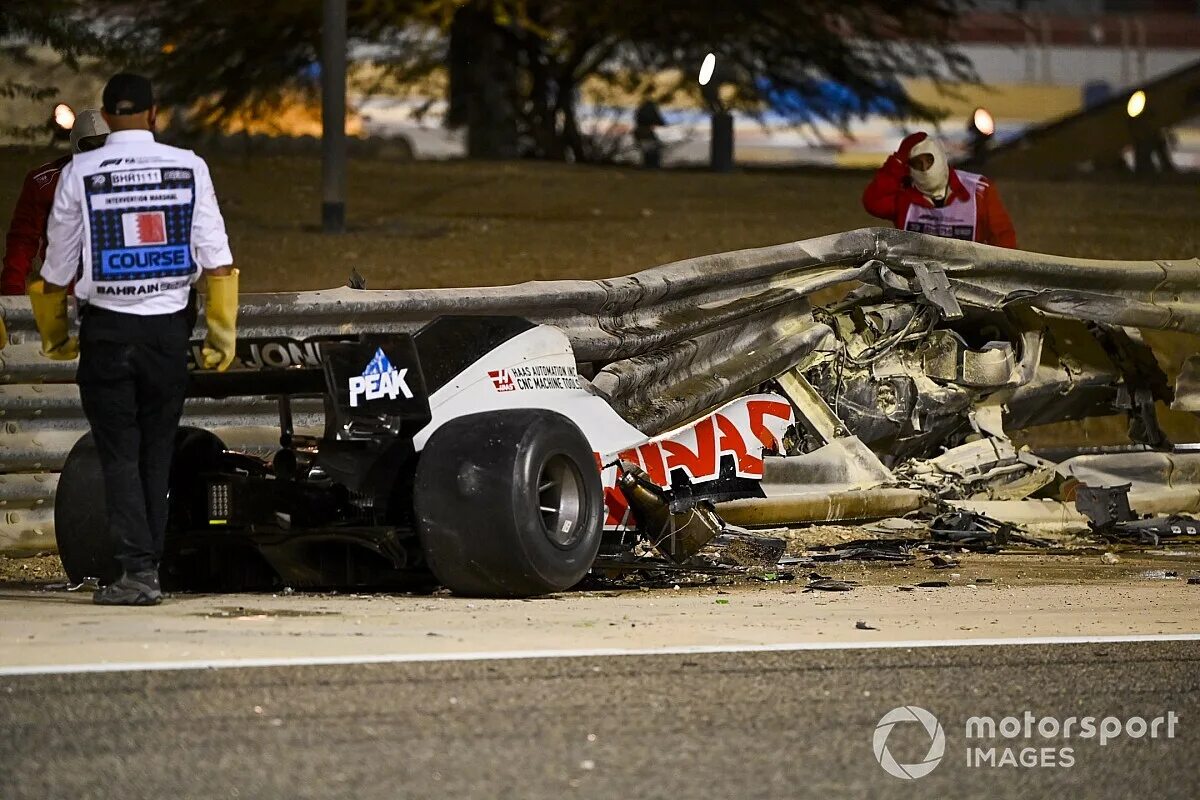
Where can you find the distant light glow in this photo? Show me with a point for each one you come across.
(706, 69)
(983, 121)
(64, 117)
(1136, 104)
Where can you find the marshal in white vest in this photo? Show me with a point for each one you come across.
(955, 220)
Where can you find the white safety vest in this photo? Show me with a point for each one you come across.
(134, 222)
(955, 220)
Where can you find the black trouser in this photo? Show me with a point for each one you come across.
(132, 378)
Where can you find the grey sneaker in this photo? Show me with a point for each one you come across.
(131, 589)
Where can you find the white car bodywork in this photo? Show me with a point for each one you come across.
(537, 369)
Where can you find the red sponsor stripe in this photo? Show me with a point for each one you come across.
(715, 436)
(702, 464)
(652, 459)
(758, 410)
(732, 442)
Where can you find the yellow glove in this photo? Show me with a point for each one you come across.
(3, 334)
(220, 312)
(50, 313)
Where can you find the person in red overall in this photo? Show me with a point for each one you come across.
(26, 239)
(917, 190)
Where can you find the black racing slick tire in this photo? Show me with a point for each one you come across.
(85, 544)
(197, 451)
(509, 504)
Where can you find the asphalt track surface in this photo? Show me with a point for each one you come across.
(719, 725)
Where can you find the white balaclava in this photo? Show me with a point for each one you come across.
(934, 181)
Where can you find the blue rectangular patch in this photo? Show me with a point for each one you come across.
(135, 234)
(145, 262)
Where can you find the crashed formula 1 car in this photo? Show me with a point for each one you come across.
(505, 445)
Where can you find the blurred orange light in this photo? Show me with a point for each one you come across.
(64, 117)
(1136, 104)
(983, 121)
(168, 48)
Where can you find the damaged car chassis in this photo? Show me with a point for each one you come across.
(506, 455)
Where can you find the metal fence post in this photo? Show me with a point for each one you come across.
(333, 116)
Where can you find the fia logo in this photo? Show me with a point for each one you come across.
(502, 380)
(379, 380)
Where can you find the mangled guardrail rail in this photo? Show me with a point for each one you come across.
(663, 345)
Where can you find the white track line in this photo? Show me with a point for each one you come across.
(506, 655)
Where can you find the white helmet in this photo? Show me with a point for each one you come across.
(88, 124)
(935, 181)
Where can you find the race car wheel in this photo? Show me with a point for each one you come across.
(85, 544)
(197, 451)
(509, 503)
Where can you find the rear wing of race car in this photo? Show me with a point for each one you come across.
(263, 366)
(366, 379)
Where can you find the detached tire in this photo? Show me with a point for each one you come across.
(85, 544)
(508, 504)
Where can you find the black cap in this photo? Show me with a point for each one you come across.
(126, 93)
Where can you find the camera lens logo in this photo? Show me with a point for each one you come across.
(937, 742)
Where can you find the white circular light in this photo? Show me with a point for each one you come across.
(706, 69)
(1136, 104)
(64, 117)
(983, 121)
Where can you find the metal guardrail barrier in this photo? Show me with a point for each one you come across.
(666, 344)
